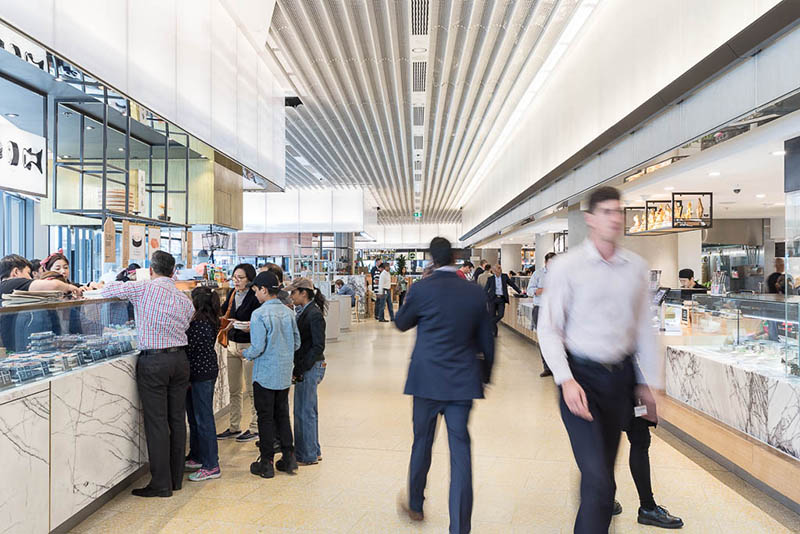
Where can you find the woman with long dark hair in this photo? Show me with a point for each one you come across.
(242, 302)
(203, 457)
(309, 368)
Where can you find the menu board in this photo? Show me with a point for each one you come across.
(23, 161)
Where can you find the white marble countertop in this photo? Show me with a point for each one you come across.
(31, 387)
(763, 364)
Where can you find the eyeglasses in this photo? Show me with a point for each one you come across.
(239, 278)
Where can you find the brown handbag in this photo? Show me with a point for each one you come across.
(224, 323)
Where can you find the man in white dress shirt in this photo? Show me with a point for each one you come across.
(593, 321)
(384, 294)
(535, 290)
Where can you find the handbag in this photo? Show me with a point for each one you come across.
(224, 323)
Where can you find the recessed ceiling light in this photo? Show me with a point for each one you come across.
(761, 195)
(90, 127)
(12, 115)
(121, 149)
(714, 173)
(779, 153)
(669, 188)
(419, 50)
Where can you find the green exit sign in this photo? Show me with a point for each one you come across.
(417, 214)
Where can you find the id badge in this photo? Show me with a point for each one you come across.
(640, 410)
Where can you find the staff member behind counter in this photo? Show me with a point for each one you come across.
(163, 314)
(15, 274)
(687, 281)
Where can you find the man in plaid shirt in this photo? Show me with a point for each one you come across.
(163, 314)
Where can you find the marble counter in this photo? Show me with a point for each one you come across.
(750, 393)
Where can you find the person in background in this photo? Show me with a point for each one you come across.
(375, 273)
(594, 319)
(444, 377)
(496, 288)
(384, 295)
(275, 338)
(163, 314)
(36, 269)
(687, 281)
(283, 295)
(242, 302)
(464, 272)
(535, 290)
(772, 279)
(485, 275)
(15, 274)
(402, 287)
(483, 266)
(59, 263)
(203, 457)
(346, 289)
(309, 369)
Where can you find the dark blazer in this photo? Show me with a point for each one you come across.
(453, 328)
(490, 287)
(311, 324)
(242, 313)
(476, 274)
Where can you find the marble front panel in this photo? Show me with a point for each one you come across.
(25, 450)
(750, 394)
(96, 434)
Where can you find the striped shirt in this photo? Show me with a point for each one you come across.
(162, 311)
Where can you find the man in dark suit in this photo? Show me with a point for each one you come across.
(445, 375)
(479, 271)
(497, 294)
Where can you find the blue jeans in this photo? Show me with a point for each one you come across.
(384, 301)
(202, 429)
(306, 415)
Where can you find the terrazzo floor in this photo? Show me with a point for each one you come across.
(525, 478)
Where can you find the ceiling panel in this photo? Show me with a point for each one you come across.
(400, 96)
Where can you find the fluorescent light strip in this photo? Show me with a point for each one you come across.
(302, 161)
(579, 18)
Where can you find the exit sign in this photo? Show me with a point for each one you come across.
(417, 214)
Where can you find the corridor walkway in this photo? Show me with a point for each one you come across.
(525, 479)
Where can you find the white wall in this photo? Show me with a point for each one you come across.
(660, 252)
(651, 44)
(187, 60)
(413, 235)
(312, 210)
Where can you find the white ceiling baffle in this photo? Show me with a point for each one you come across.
(405, 97)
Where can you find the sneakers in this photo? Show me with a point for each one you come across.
(191, 465)
(205, 474)
(247, 436)
(228, 434)
(287, 464)
(263, 469)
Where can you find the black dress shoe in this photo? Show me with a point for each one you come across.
(546, 372)
(659, 517)
(287, 464)
(617, 508)
(147, 491)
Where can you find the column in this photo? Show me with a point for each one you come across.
(690, 248)
(344, 249)
(544, 244)
(576, 225)
(488, 254)
(511, 258)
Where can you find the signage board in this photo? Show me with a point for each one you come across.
(23, 160)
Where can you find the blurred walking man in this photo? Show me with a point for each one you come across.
(594, 319)
(445, 375)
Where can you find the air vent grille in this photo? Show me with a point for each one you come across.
(417, 142)
(419, 17)
(419, 115)
(420, 69)
(417, 177)
(417, 166)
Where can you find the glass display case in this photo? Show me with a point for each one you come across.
(43, 339)
(761, 328)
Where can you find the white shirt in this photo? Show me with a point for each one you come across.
(536, 282)
(498, 285)
(599, 310)
(384, 283)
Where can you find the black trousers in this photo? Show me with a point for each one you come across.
(456, 416)
(163, 380)
(497, 309)
(535, 323)
(638, 433)
(609, 392)
(272, 408)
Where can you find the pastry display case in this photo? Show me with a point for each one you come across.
(41, 340)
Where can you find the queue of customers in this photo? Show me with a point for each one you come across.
(272, 337)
